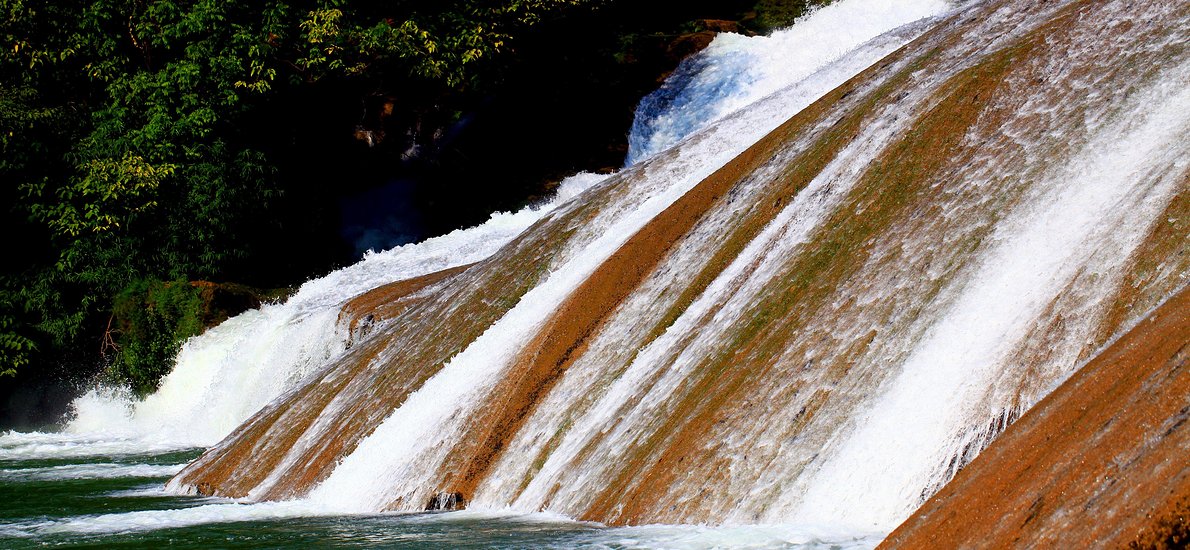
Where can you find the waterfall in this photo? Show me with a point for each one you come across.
(833, 270)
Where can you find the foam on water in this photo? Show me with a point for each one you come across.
(38, 445)
(149, 520)
(736, 71)
(104, 470)
(229, 511)
(747, 536)
(152, 490)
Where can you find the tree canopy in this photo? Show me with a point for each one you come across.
(127, 145)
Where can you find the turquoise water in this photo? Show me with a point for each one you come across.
(63, 491)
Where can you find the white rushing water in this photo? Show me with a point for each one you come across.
(642, 392)
(675, 537)
(103, 470)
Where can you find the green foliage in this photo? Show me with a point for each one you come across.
(442, 47)
(150, 320)
(135, 174)
(16, 349)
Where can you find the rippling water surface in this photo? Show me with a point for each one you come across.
(59, 490)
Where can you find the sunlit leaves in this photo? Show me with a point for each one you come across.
(441, 47)
(108, 195)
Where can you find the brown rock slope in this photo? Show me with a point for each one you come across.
(1103, 461)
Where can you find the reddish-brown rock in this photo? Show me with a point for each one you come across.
(1103, 461)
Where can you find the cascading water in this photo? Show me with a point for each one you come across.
(1084, 218)
(438, 412)
(811, 311)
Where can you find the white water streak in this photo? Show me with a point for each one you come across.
(877, 475)
(37, 445)
(641, 393)
(586, 535)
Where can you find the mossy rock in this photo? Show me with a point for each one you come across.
(152, 318)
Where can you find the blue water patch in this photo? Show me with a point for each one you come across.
(692, 97)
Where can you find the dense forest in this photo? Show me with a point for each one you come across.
(150, 147)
